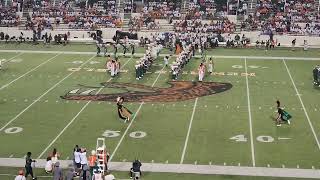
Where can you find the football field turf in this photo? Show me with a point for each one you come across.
(231, 128)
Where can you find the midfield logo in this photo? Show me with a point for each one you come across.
(178, 91)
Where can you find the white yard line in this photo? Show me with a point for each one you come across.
(12, 58)
(33, 69)
(35, 101)
(134, 117)
(302, 104)
(250, 116)
(189, 130)
(141, 54)
(74, 118)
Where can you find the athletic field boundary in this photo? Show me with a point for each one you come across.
(141, 54)
(185, 168)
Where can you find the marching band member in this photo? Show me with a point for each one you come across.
(201, 72)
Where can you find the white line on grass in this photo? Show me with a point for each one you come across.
(35, 101)
(33, 69)
(12, 58)
(74, 118)
(302, 104)
(250, 117)
(134, 117)
(188, 133)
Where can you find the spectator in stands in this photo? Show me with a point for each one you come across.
(20, 176)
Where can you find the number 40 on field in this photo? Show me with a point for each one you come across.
(242, 138)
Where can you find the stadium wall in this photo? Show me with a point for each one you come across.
(108, 33)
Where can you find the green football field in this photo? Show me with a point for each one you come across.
(231, 128)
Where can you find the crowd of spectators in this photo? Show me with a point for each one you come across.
(144, 20)
(75, 16)
(162, 9)
(237, 9)
(198, 26)
(129, 7)
(285, 17)
(8, 17)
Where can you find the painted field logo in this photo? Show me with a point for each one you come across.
(178, 91)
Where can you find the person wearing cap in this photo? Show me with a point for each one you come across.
(57, 172)
(92, 161)
(20, 176)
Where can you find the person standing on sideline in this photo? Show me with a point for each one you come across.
(293, 44)
(77, 160)
(28, 166)
(20, 176)
(83, 157)
(92, 161)
(305, 45)
(57, 172)
(166, 60)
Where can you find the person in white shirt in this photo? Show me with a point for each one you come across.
(48, 167)
(83, 157)
(109, 176)
(20, 176)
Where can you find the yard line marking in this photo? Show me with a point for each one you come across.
(280, 138)
(250, 117)
(33, 69)
(75, 117)
(188, 133)
(10, 59)
(134, 117)
(302, 104)
(49, 90)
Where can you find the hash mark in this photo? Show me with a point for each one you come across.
(283, 166)
(210, 163)
(196, 162)
(26, 100)
(11, 156)
(239, 164)
(268, 165)
(67, 158)
(224, 164)
(298, 166)
(167, 162)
